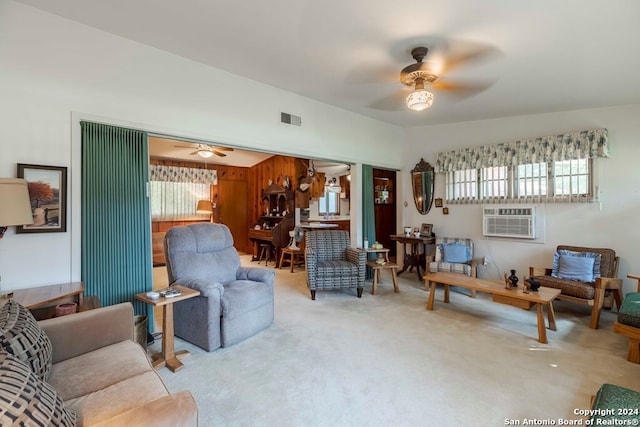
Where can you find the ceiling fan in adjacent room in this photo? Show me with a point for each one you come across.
(205, 150)
(425, 77)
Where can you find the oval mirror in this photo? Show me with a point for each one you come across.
(422, 177)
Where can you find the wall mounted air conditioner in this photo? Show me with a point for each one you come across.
(512, 222)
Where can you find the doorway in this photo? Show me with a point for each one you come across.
(232, 208)
(384, 203)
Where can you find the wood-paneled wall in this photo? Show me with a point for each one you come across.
(275, 168)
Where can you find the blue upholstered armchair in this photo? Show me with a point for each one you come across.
(331, 263)
(235, 302)
(455, 255)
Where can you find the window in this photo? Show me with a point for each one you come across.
(329, 203)
(177, 200)
(462, 184)
(561, 180)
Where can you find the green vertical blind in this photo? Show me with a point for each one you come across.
(368, 212)
(116, 224)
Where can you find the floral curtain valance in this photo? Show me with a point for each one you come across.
(181, 174)
(576, 145)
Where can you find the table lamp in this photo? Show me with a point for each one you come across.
(205, 207)
(15, 206)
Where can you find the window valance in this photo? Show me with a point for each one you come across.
(182, 174)
(576, 145)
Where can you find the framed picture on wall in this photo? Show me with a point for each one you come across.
(438, 203)
(48, 196)
(426, 230)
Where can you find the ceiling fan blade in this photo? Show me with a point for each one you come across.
(219, 154)
(458, 52)
(461, 90)
(222, 148)
(182, 146)
(195, 152)
(393, 102)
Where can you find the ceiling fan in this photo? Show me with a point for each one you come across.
(206, 151)
(425, 76)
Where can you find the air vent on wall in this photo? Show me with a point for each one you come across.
(518, 222)
(290, 119)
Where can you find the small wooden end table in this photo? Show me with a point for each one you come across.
(168, 357)
(377, 267)
(413, 257)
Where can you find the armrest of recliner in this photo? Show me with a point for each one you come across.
(176, 410)
(257, 274)
(207, 288)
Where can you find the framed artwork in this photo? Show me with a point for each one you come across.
(426, 230)
(438, 203)
(445, 211)
(48, 195)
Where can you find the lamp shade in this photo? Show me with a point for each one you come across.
(419, 99)
(204, 207)
(15, 206)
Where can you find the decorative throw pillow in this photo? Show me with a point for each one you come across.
(28, 400)
(581, 266)
(21, 336)
(455, 252)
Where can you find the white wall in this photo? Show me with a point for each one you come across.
(54, 72)
(612, 223)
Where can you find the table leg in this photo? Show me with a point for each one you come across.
(395, 280)
(406, 260)
(446, 292)
(432, 293)
(551, 316)
(168, 357)
(375, 281)
(542, 329)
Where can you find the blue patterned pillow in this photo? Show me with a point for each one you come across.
(455, 252)
(581, 266)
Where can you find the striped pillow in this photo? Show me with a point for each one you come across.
(26, 400)
(21, 336)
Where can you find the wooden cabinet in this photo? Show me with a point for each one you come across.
(345, 185)
(383, 190)
(277, 203)
(317, 187)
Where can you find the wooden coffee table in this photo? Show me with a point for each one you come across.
(515, 296)
(168, 357)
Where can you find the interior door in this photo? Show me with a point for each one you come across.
(233, 207)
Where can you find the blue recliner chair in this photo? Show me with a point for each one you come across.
(235, 302)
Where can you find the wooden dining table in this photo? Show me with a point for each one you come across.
(415, 251)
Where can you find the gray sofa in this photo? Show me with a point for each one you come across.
(235, 302)
(83, 369)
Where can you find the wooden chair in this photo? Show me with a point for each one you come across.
(591, 294)
(628, 323)
(439, 263)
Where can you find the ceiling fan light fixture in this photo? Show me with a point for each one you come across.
(205, 153)
(419, 99)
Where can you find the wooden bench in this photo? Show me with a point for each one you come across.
(514, 296)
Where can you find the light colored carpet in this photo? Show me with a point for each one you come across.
(384, 360)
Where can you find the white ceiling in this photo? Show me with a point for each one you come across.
(541, 55)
